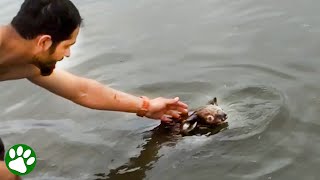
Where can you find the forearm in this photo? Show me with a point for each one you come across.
(88, 93)
(95, 95)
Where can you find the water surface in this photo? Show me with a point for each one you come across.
(259, 58)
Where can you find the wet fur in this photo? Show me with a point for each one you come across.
(206, 120)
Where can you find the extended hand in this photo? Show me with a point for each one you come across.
(165, 109)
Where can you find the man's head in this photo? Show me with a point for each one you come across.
(53, 25)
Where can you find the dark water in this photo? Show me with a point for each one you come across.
(259, 58)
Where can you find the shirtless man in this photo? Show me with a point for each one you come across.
(39, 36)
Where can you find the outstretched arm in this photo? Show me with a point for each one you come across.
(92, 94)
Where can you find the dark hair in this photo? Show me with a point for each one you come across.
(57, 18)
(1, 150)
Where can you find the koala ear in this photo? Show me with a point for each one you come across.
(210, 118)
(214, 101)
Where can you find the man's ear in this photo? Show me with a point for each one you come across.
(44, 42)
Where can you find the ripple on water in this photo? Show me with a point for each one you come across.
(251, 109)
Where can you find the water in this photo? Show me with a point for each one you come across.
(259, 58)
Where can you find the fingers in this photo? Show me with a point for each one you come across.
(183, 105)
(173, 114)
(172, 101)
(175, 108)
(170, 116)
(165, 119)
(176, 103)
(167, 109)
(179, 109)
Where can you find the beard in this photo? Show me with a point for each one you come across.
(46, 69)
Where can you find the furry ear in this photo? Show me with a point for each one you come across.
(214, 101)
(210, 118)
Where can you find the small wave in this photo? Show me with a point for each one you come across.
(251, 109)
(259, 68)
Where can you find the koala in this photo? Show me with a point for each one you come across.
(199, 121)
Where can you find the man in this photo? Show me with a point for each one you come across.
(39, 36)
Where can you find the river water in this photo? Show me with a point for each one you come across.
(259, 58)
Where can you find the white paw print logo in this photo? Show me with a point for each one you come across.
(20, 159)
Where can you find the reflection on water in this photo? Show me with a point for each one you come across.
(155, 139)
(260, 58)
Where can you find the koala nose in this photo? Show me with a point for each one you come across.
(224, 116)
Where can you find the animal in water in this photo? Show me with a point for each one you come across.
(203, 120)
(206, 120)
